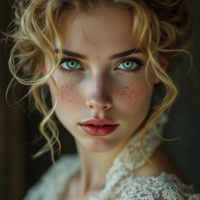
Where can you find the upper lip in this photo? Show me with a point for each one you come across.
(102, 121)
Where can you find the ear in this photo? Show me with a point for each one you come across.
(164, 62)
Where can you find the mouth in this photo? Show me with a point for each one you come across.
(98, 130)
(97, 125)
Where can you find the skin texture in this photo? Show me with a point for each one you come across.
(98, 89)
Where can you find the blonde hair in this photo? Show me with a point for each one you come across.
(159, 27)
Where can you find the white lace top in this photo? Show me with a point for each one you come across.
(120, 181)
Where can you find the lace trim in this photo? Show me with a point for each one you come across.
(165, 186)
(120, 181)
(129, 159)
(66, 166)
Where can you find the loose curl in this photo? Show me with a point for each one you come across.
(160, 27)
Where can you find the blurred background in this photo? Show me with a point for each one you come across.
(19, 127)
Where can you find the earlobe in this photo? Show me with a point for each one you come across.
(164, 62)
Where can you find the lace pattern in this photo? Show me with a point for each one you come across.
(120, 181)
(165, 186)
(44, 188)
(129, 159)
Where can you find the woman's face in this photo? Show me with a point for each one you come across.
(100, 85)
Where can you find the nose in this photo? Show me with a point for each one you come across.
(99, 97)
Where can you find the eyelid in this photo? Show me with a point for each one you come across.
(133, 58)
(70, 58)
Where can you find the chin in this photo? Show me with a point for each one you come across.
(100, 145)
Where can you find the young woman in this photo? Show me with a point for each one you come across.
(100, 61)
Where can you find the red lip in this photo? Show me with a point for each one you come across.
(99, 131)
(102, 121)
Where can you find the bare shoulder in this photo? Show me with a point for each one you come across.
(162, 163)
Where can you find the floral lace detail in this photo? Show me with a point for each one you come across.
(165, 186)
(44, 188)
(120, 181)
(129, 159)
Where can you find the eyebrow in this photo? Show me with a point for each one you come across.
(115, 56)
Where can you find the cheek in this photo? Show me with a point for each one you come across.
(68, 95)
(135, 97)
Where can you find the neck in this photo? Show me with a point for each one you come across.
(95, 165)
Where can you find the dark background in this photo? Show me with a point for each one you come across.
(18, 127)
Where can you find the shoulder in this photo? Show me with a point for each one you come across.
(162, 187)
(161, 163)
(64, 166)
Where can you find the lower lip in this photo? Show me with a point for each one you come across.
(99, 130)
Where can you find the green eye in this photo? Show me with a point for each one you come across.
(128, 64)
(71, 64)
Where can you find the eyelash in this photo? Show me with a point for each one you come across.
(139, 63)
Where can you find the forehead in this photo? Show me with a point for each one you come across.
(104, 28)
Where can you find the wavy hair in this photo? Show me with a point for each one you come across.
(160, 27)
